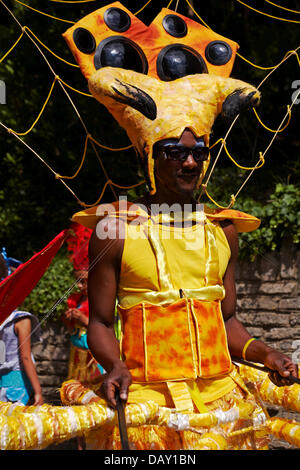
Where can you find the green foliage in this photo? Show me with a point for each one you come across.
(52, 288)
(280, 219)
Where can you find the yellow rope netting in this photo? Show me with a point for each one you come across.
(230, 205)
(40, 113)
(197, 14)
(279, 129)
(238, 54)
(57, 78)
(45, 14)
(259, 164)
(110, 182)
(110, 148)
(261, 159)
(89, 137)
(49, 50)
(74, 89)
(58, 176)
(12, 48)
(72, 1)
(93, 141)
(267, 14)
(282, 8)
(141, 9)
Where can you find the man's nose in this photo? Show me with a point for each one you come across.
(190, 162)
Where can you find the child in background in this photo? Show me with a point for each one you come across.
(82, 365)
(18, 377)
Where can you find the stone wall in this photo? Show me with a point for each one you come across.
(268, 301)
(51, 357)
(268, 305)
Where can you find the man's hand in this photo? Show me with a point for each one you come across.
(282, 366)
(119, 378)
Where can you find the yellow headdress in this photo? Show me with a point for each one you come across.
(185, 86)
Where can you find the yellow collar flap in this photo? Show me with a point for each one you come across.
(242, 221)
(119, 209)
(129, 211)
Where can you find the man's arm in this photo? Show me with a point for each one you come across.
(105, 260)
(237, 334)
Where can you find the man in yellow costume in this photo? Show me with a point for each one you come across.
(170, 262)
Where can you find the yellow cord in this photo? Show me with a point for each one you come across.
(139, 11)
(254, 65)
(58, 176)
(277, 130)
(8, 52)
(197, 14)
(261, 158)
(238, 54)
(232, 202)
(282, 8)
(40, 113)
(89, 137)
(109, 148)
(76, 1)
(266, 14)
(104, 188)
(74, 89)
(45, 14)
(49, 50)
(296, 54)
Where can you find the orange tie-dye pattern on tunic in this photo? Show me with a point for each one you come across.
(183, 340)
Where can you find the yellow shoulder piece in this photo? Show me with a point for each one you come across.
(119, 209)
(243, 222)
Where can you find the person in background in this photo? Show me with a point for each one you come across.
(82, 365)
(19, 381)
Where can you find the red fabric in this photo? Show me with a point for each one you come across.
(77, 243)
(15, 288)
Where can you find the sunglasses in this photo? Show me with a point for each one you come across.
(178, 152)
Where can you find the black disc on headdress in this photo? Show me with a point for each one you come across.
(218, 52)
(117, 20)
(175, 26)
(177, 60)
(119, 51)
(84, 40)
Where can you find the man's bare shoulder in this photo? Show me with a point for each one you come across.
(107, 239)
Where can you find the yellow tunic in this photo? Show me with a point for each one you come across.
(153, 270)
(141, 279)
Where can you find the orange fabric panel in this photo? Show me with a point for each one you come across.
(95, 24)
(198, 37)
(132, 344)
(150, 39)
(185, 339)
(214, 353)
